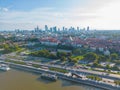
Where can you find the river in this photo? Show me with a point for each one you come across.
(22, 80)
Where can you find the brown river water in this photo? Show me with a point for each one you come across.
(22, 80)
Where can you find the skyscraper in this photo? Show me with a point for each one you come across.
(63, 28)
(88, 28)
(55, 29)
(46, 28)
(78, 28)
(37, 29)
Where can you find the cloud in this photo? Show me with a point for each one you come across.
(108, 16)
(3, 9)
(101, 14)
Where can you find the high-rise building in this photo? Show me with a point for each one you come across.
(88, 28)
(78, 28)
(63, 28)
(51, 29)
(55, 29)
(58, 29)
(66, 29)
(46, 28)
(37, 29)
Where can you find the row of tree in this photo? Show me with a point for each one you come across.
(44, 53)
(117, 82)
(92, 77)
(10, 48)
(63, 56)
(88, 52)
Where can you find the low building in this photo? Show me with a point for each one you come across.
(107, 52)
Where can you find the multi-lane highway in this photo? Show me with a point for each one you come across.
(78, 71)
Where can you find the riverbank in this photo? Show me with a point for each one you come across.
(63, 76)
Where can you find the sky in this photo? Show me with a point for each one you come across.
(27, 14)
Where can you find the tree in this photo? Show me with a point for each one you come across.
(115, 68)
(59, 54)
(108, 66)
(63, 58)
(66, 47)
(44, 53)
(70, 59)
(74, 60)
(114, 56)
(102, 58)
(77, 51)
(91, 56)
(95, 63)
(117, 82)
(6, 47)
(94, 77)
(52, 56)
(16, 47)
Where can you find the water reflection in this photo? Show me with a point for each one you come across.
(45, 81)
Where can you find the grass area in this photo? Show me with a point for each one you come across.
(23, 63)
(58, 70)
(26, 52)
(20, 50)
(36, 66)
(77, 57)
(15, 57)
(16, 62)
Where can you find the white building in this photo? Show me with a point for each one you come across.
(107, 52)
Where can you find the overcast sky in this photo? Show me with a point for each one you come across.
(27, 14)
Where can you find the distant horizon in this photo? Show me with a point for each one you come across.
(26, 14)
(60, 29)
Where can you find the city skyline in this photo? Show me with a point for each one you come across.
(27, 14)
(55, 28)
